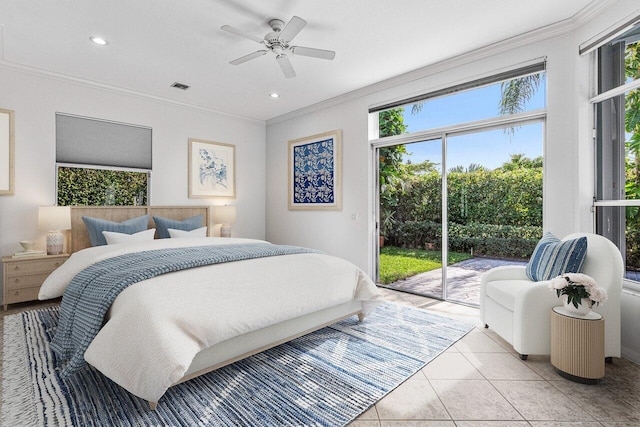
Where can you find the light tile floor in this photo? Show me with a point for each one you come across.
(480, 381)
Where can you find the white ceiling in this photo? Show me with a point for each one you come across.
(154, 43)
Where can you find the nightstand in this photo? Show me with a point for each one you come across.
(22, 277)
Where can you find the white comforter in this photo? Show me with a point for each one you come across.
(157, 326)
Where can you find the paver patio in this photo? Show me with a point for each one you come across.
(463, 280)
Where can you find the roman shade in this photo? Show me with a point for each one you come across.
(87, 141)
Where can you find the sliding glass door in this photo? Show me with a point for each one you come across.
(410, 257)
(494, 204)
(460, 182)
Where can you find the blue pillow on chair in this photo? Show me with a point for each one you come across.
(164, 224)
(553, 257)
(95, 227)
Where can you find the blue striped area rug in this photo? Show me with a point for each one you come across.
(326, 378)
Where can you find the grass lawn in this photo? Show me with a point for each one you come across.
(399, 263)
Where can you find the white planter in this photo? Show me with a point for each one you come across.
(583, 309)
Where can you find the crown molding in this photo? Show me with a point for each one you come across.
(544, 33)
(591, 11)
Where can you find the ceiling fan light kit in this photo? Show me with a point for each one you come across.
(277, 42)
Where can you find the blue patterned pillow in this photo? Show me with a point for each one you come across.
(553, 257)
(95, 227)
(164, 224)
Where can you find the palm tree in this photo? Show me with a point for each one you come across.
(516, 93)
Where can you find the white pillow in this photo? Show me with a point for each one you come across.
(198, 232)
(114, 238)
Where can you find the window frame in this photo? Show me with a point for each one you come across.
(609, 221)
(463, 128)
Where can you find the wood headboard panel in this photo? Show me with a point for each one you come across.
(80, 236)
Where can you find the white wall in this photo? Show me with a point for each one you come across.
(36, 99)
(337, 233)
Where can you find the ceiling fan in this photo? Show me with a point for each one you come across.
(278, 41)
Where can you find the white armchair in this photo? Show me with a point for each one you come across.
(518, 309)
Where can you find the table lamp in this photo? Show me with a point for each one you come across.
(54, 219)
(225, 215)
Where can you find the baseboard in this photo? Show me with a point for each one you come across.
(630, 354)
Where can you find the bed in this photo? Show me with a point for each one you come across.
(177, 326)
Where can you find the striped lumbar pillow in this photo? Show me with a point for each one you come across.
(553, 257)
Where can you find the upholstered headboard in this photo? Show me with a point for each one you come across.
(80, 236)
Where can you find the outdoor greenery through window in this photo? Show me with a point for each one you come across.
(617, 121)
(78, 186)
(490, 175)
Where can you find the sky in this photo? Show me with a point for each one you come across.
(490, 148)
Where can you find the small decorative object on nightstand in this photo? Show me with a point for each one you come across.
(30, 250)
(577, 345)
(225, 215)
(22, 277)
(54, 219)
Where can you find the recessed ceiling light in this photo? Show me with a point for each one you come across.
(99, 40)
(274, 95)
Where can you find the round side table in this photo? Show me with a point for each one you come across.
(577, 345)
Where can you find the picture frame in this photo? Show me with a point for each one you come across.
(7, 152)
(315, 172)
(212, 169)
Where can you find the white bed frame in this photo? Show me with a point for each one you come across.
(234, 349)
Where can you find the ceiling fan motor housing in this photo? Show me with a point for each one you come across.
(276, 24)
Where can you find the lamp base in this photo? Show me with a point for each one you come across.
(55, 242)
(225, 230)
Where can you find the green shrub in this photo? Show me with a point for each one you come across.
(494, 212)
(98, 187)
(633, 249)
(503, 241)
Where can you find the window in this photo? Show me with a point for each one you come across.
(617, 122)
(101, 162)
(518, 91)
(460, 175)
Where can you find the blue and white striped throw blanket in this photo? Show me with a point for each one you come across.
(91, 293)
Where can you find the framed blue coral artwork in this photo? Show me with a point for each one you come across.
(315, 171)
(212, 169)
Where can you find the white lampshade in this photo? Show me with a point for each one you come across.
(225, 214)
(54, 218)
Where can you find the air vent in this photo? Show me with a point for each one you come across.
(180, 86)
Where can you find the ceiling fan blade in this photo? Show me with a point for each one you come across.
(285, 66)
(312, 52)
(248, 57)
(240, 33)
(295, 25)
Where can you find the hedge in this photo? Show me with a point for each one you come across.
(484, 197)
(84, 186)
(491, 212)
(516, 242)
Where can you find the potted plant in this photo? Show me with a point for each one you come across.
(579, 292)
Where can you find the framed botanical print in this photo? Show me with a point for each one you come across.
(315, 172)
(6, 152)
(212, 169)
